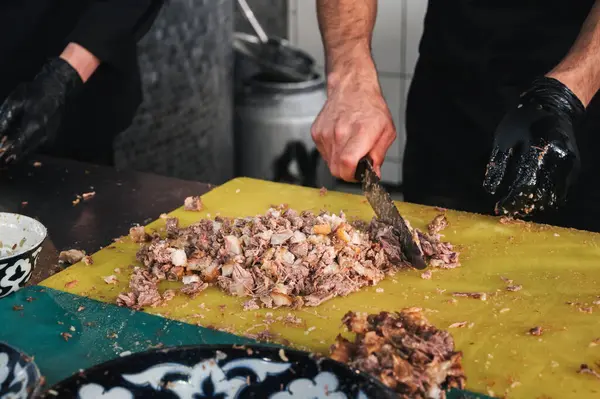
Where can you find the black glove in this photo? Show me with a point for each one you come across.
(32, 113)
(539, 136)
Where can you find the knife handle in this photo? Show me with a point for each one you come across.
(365, 163)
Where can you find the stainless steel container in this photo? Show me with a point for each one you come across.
(272, 128)
(273, 118)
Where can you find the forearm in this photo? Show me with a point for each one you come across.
(580, 69)
(346, 29)
(84, 62)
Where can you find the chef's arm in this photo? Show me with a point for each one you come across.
(347, 28)
(580, 69)
(108, 33)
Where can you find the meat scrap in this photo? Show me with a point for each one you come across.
(537, 331)
(143, 291)
(585, 369)
(88, 260)
(474, 295)
(71, 256)
(435, 252)
(403, 351)
(138, 234)
(193, 204)
(514, 288)
(282, 258)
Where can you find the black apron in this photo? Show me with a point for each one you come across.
(476, 57)
(32, 31)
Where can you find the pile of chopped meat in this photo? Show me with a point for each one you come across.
(403, 351)
(281, 258)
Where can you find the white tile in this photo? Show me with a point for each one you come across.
(387, 36)
(391, 172)
(415, 13)
(308, 36)
(392, 92)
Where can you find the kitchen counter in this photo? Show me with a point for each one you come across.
(123, 199)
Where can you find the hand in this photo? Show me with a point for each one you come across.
(355, 121)
(539, 136)
(32, 113)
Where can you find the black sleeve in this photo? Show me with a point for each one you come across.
(110, 29)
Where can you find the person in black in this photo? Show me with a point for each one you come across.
(501, 102)
(69, 76)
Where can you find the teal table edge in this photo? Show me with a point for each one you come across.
(66, 333)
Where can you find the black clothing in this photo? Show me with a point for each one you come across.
(476, 57)
(37, 30)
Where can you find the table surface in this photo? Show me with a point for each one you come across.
(34, 318)
(123, 199)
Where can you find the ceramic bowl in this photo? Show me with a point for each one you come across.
(221, 371)
(19, 376)
(21, 239)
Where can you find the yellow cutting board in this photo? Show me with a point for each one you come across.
(553, 265)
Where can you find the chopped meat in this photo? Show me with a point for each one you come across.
(193, 289)
(251, 305)
(438, 224)
(71, 284)
(18, 307)
(193, 204)
(71, 256)
(112, 279)
(537, 331)
(426, 275)
(474, 295)
(88, 260)
(514, 288)
(435, 252)
(403, 351)
(138, 234)
(459, 324)
(282, 258)
(143, 291)
(66, 335)
(510, 220)
(585, 369)
(322, 191)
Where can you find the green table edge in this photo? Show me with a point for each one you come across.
(36, 319)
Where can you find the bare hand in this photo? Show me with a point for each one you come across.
(354, 122)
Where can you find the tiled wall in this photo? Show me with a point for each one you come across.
(271, 14)
(395, 49)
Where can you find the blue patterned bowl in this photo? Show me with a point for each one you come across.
(21, 239)
(221, 371)
(19, 376)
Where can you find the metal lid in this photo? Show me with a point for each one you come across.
(276, 56)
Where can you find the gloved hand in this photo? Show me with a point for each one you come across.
(536, 141)
(31, 115)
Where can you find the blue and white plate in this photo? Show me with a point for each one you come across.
(220, 371)
(19, 376)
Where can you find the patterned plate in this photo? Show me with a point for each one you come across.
(19, 376)
(220, 371)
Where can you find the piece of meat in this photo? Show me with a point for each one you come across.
(88, 260)
(439, 223)
(585, 369)
(138, 234)
(537, 331)
(71, 256)
(474, 295)
(193, 203)
(403, 351)
(193, 289)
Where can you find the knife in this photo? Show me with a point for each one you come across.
(386, 211)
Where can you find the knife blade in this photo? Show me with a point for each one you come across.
(383, 206)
